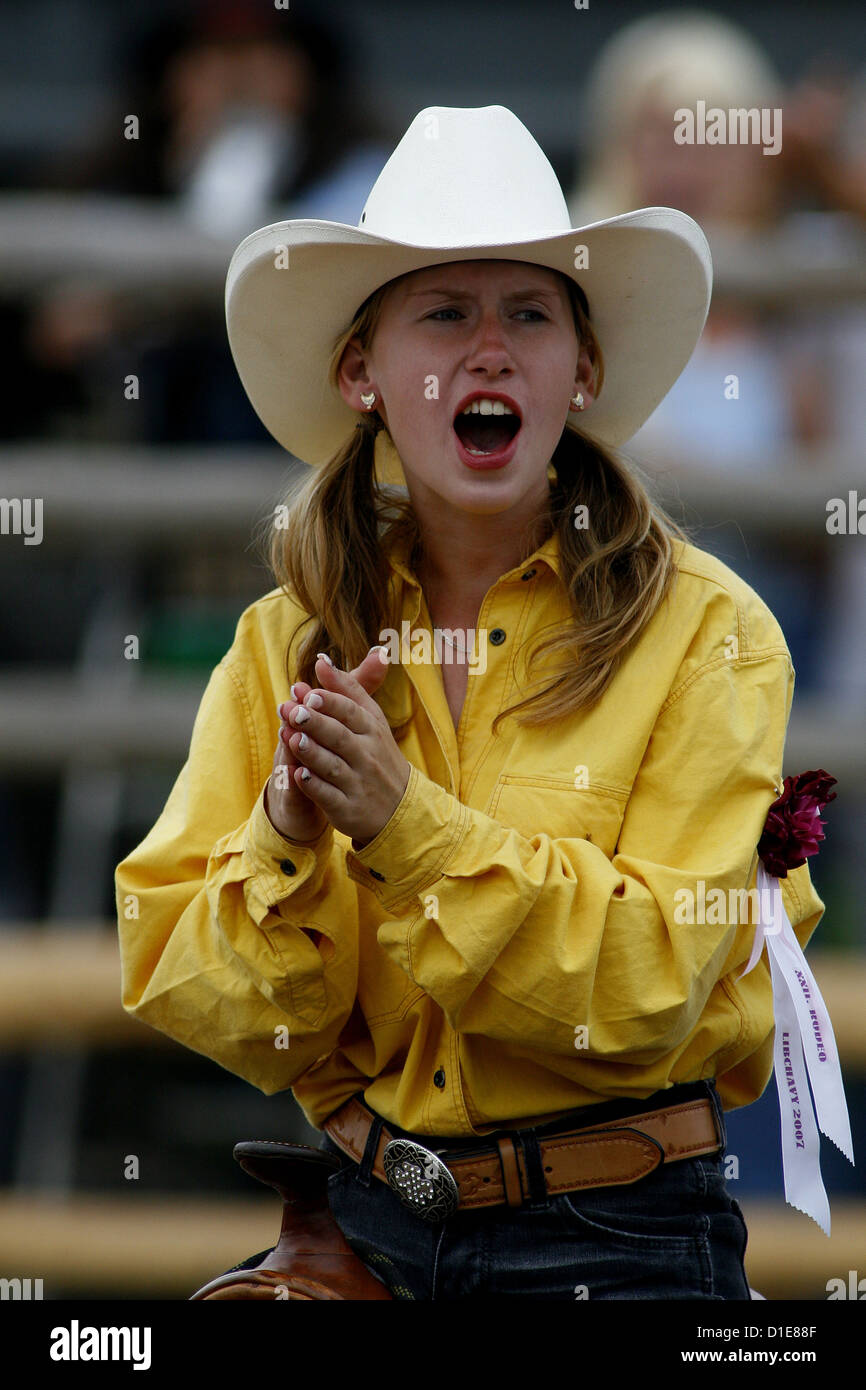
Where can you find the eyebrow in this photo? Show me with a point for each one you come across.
(526, 293)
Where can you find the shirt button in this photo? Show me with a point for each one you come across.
(497, 636)
(380, 877)
(439, 1079)
(288, 867)
(530, 574)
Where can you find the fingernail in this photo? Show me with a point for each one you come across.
(292, 692)
(300, 715)
(279, 709)
(306, 774)
(313, 700)
(303, 741)
(384, 654)
(325, 657)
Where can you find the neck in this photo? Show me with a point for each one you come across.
(463, 554)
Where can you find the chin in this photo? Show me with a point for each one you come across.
(485, 506)
(482, 499)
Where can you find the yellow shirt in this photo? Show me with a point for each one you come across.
(515, 941)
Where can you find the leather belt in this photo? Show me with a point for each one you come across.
(602, 1155)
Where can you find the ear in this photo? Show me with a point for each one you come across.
(584, 379)
(352, 374)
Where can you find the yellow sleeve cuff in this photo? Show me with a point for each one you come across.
(413, 848)
(281, 867)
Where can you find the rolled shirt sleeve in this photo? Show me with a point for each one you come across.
(525, 939)
(225, 942)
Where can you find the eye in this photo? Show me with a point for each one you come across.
(437, 312)
(537, 312)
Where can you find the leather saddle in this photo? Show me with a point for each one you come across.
(312, 1259)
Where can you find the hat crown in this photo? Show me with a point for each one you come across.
(466, 176)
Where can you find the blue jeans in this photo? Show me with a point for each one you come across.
(675, 1234)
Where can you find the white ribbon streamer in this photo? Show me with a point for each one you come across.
(804, 1042)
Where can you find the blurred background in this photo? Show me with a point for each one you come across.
(138, 145)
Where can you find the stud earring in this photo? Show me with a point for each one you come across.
(368, 399)
(577, 402)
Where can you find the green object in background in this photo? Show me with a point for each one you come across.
(839, 928)
(189, 635)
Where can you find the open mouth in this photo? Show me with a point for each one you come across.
(482, 431)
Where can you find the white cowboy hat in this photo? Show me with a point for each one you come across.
(462, 184)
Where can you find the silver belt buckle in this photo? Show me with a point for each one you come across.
(420, 1179)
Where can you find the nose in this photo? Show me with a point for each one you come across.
(489, 351)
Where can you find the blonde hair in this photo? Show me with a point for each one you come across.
(340, 523)
(672, 57)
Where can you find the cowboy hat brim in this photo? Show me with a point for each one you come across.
(293, 288)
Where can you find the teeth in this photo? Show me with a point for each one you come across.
(488, 407)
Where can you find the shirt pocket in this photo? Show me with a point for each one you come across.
(555, 806)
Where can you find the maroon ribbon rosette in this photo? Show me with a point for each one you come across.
(805, 1056)
(793, 828)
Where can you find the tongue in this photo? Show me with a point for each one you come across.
(485, 432)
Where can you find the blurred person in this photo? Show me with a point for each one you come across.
(643, 75)
(758, 384)
(242, 112)
(649, 71)
(825, 164)
(824, 153)
(393, 859)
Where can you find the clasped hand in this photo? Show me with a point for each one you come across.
(342, 762)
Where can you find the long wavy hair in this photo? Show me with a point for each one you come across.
(338, 524)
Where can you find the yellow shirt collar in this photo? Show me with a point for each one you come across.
(548, 553)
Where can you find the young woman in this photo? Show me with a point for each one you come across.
(524, 734)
